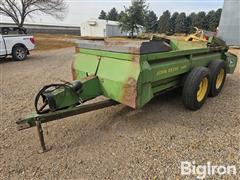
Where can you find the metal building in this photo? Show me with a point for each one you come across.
(101, 28)
(45, 28)
(229, 27)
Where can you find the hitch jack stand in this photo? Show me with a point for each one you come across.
(38, 119)
(41, 136)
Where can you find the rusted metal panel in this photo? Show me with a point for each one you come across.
(130, 92)
(132, 47)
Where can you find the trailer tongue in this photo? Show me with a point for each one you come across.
(131, 73)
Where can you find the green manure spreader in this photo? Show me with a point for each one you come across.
(132, 72)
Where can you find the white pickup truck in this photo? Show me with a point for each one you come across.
(18, 46)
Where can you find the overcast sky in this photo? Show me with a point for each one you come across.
(81, 10)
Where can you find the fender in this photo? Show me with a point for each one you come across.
(21, 45)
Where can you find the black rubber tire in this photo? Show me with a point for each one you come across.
(191, 86)
(19, 53)
(215, 67)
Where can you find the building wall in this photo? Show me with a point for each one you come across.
(229, 27)
(97, 30)
(48, 29)
(114, 30)
(101, 28)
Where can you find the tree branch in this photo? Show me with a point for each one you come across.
(18, 10)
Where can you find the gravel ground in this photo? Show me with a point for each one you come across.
(117, 142)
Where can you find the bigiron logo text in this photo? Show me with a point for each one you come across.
(209, 169)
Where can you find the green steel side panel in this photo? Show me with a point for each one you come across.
(172, 54)
(90, 88)
(231, 61)
(144, 88)
(170, 68)
(166, 85)
(145, 94)
(64, 97)
(86, 63)
(205, 59)
(118, 80)
(165, 81)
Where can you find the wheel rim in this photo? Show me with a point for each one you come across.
(220, 78)
(202, 89)
(20, 53)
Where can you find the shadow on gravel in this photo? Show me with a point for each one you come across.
(171, 98)
(11, 60)
(6, 60)
(123, 118)
(166, 109)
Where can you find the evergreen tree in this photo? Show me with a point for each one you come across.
(211, 21)
(181, 23)
(121, 15)
(163, 23)
(138, 14)
(188, 24)
(193, 19)
(151, 22)
(103, 15)
(133, 17)
(218, 16)
(172, 23)
(201, 20)
(112, 15)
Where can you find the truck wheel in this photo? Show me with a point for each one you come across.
(218, 73)
(196, 88)
(19, 53)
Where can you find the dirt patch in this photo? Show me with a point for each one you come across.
(116, 142)
(51, 42)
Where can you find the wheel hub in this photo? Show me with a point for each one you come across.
(20, 53)
(202, 89)
(219, 79)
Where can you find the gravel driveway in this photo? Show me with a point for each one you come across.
(117, 142)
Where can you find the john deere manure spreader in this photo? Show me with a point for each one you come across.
(132, 72)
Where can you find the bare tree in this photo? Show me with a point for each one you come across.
(18, 10)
